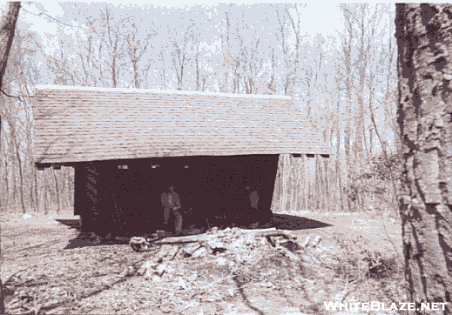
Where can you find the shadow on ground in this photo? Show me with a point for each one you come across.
(83, 240)
(74, 224)
(291, 222)
(279, 221)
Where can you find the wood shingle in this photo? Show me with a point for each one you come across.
(79, 124)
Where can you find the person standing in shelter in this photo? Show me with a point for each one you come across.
(253, 196)
(171, 203)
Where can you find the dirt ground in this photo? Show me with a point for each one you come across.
(48, 269)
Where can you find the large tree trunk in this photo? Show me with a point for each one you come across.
(7, 29)
(424, 66)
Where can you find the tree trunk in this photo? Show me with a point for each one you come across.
(326, 174)
(21, 181)
(55, 187)
(6, 181)
(1, 204)
(36, 192)
(424, 61)
(7, 29)
(318, 183)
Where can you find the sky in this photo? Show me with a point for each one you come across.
(311, 22)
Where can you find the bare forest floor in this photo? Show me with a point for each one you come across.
(47, 269)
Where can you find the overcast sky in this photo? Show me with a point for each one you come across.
(331, 15)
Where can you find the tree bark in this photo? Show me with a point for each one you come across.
(7, 29)
(55, 187)
(326, 173)
(424, 41)
(318, 193)
(1, 205)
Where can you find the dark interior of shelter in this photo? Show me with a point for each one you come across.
(124, 196)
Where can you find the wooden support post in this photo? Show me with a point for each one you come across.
(302, 175)
(295, 187)
(285, 200)
(276, 202)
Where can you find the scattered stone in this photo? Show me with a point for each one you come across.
(172, 253)
(290, 245)
(193, 277)
(222, 261)
(316, 241)
(268, 285)
(146, 267)
(138, 244)
(190, 249)
(200, 252)
(306, 242)
(181, 283)
(160, 270)
(181, 254)
(164, 250)
(287, 253)
(213, 246)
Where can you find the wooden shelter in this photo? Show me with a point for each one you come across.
(128, 146)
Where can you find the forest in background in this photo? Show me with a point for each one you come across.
(344, 84)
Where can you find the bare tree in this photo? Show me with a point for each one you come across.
(16, 145)
(227, 56)
(7, 30)
(112, 34)
(349, 73)
(135, 50)
(288, 85)
(238, 60)
(59, 64)
(250, 67)
(179, 57)
(271, 85)
(424, 116)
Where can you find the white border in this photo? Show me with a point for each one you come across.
(133, 90)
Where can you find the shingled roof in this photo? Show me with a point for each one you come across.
(75, 124)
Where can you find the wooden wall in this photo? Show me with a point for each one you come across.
(218, 188)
